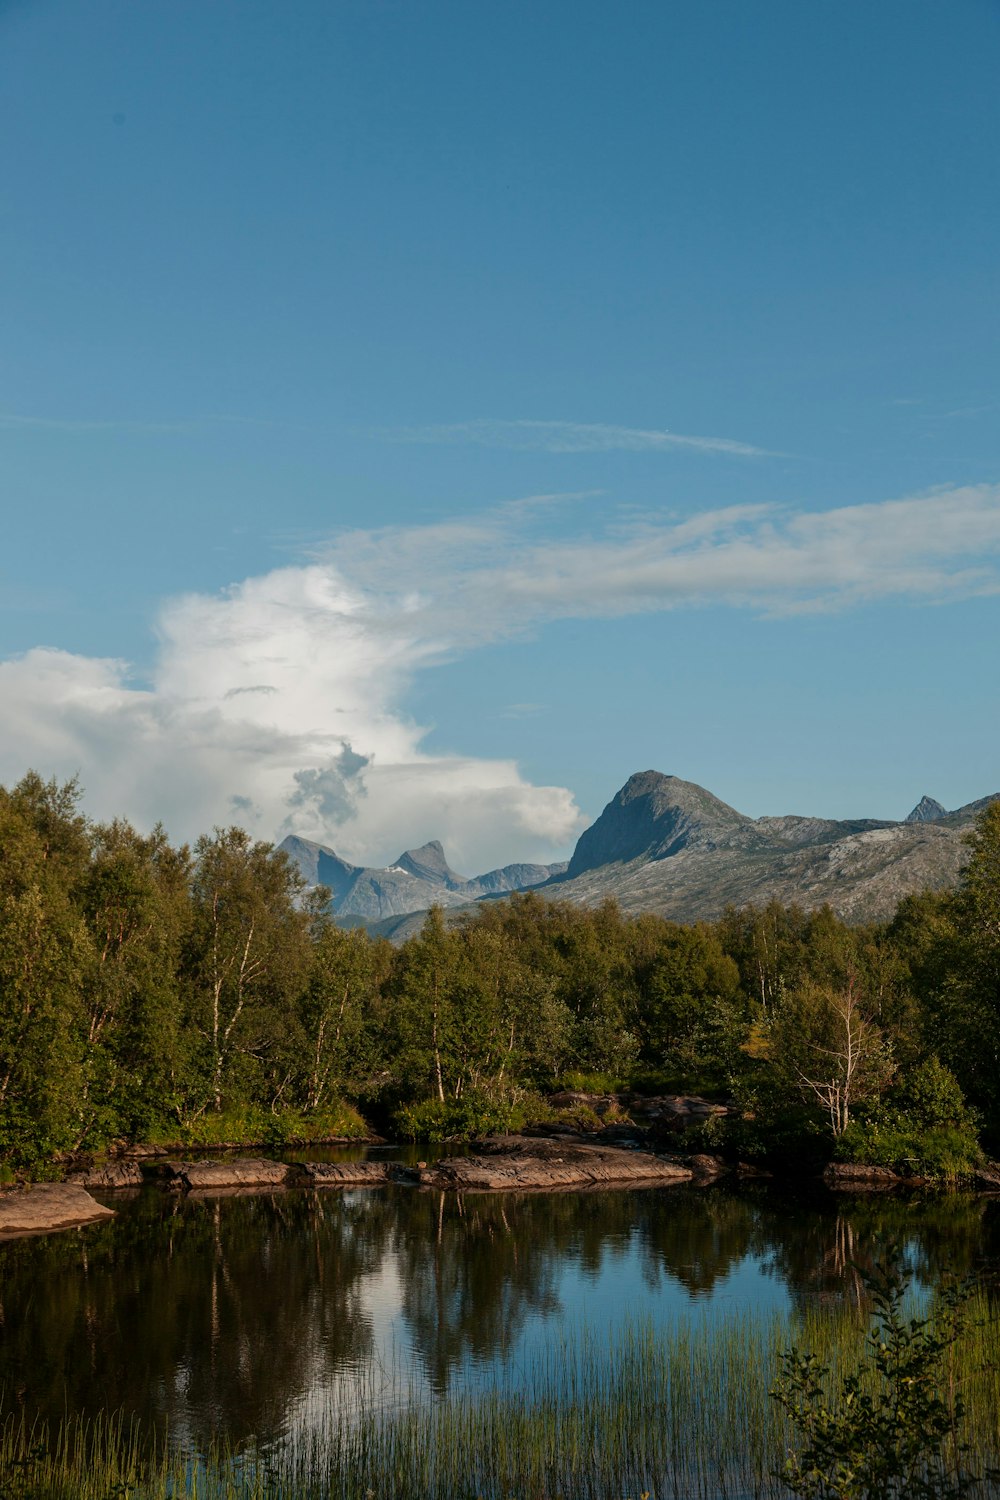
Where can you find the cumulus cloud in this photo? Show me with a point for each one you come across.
(279, 701)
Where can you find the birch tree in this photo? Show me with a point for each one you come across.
(247, 957)
(824, 1041)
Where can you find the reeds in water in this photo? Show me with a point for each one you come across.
(684, 1414)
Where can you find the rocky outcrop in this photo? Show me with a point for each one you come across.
(108, 1175)
(48, 1206)
(224, 1176)
(855, 1175)
(520, 1163)
(346, 1173)
(670, 1111)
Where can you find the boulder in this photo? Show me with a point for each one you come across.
(517, 1163)
(346, 1173)
(705, 1166)
(47, 1206)
(987, 1177)
(110, 1174)
(851, 1175)
(682, 1108)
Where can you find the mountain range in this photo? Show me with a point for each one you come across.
(669, 846)
(419, 878)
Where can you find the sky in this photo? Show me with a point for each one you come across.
(416, 416)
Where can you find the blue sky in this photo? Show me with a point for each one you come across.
(517, 394)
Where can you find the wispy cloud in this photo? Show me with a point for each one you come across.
(570, 437)
(13, 421)
(283, 697)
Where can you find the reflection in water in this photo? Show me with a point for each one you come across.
(232, 1316)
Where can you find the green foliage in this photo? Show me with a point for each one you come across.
(151, 992)
(923, 1126)
(902, 1440)
(591, 1083)
(473, 1114)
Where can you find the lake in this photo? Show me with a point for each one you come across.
(257, 1319)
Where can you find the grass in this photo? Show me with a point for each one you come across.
(680, 1416)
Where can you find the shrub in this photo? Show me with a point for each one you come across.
(893, 1429)
(922, 1127)
(473, 1114)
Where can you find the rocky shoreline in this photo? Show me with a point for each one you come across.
(603, 1141)
(502, 1164)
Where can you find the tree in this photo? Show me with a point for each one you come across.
(337, 1008)
(247, 957)
(45, 954)
(824, 1041)
(135, 900)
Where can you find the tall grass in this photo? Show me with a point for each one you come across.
(685, 1415)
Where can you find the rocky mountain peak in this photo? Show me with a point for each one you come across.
(429, 862)
(320, 865)
(927, 810)
(654, 816)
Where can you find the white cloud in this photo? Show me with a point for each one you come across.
(278, 702)
(570, 437)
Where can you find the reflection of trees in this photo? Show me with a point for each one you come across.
(473, 1267)
(207, 1315)
(821, 1246)
(698, 1236)
(217, 1316)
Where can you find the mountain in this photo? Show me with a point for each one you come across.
(652, 817)
(419, 878)
(927, 810)
(669, 846)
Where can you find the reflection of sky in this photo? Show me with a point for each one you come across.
(594, 1305)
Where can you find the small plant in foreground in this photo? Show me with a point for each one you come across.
(893, 1429)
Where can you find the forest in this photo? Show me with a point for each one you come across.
(158, 994)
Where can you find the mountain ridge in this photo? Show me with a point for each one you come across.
(666, 845)
(417, 879)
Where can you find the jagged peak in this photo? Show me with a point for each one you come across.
(927, 810)
(430, 862)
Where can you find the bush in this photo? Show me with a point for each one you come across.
(255, 1126)
(474, 1114)
(923, 1127)
(589, 1083)
(894, 1429)
(943, 1152)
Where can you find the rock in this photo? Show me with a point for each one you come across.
(747, 1169)
(519, 1162)
(574, 1099)
(675, 1109)
(111, 1174)
(703, 1165)
(223, 1176)
(851, 1174)
(48, 1206)
(345, 1173)
(987, 1177)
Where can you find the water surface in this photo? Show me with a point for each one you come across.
(246, 1317)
